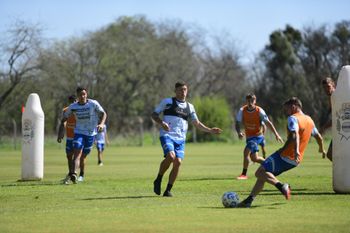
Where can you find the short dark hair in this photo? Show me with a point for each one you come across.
(80, 89)
(250, 96)
(180, 84)
(327, 80)
(293, 101)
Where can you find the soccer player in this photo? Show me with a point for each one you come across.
(90, 118)
(329, 87)
(101, 139)
(176, 112)
(69, 127)
(300, 128)
(252, 117)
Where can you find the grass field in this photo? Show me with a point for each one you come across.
(118, 197)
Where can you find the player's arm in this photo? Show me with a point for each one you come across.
(319, 141)
(156, 118)
(199, 125)
(101, 124)
(239, 119)
(61, 129)
(238, 130)
(273, 129)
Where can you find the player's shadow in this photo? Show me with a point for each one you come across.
(269, 206)
(299, 192)
(207, 178)
(117, 198)
(21, 183)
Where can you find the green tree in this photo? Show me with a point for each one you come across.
(213, 111)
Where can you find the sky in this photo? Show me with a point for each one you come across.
(249, 22)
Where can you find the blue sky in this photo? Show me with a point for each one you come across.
(248, 21)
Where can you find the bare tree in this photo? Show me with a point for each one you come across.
(19, 53)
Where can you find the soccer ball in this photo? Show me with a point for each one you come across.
(230, 199)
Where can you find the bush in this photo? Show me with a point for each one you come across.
(213, 112)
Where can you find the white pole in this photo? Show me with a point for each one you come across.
(33, 139)
(341, 132)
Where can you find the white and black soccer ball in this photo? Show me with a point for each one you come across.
(230, 199)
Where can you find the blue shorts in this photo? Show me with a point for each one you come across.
(254, 142)
(276, 165)
(100, 146)
(83, 142)
(169, 144)
(69, 145)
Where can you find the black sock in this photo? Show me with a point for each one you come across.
(249, 199)
(81, 174)
(168, 187)
(244, 172)
(279, 186)
(159, 178)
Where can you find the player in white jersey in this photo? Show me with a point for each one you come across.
(176, 112)
(101, 139)
(90, 118)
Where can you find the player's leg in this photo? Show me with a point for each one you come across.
(169, 156)
(100, 149)
(69, 156)
(88, 144)
(263, 151)
(78, 144)
(179, 149)
(256, 158)
(254, 148)
(262, 145)
(271, 168)
(243, 175)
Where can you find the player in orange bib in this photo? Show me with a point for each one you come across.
(253, 118)
(69, 126)
(300, 128)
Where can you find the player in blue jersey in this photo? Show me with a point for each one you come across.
(90, 118)
(174, 124)
(101, 139)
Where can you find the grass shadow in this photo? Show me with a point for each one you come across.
(117, 198)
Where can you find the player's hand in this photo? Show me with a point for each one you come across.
(165, 126)
(241, 135)
(323, 152)
(100, 128)
(279, 139)
(59, 140)
(215, 130)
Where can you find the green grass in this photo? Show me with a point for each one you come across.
(118, 197)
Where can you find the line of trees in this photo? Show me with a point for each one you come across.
(130, 64)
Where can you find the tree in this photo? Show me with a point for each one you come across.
(20, 50)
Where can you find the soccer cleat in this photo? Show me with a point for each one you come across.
(74, 178)
(100, 164)
(156, 187)
(66, 180)
(167, 194)
(81, 178)
(242, 177)
(286, 191)
(244, 204)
